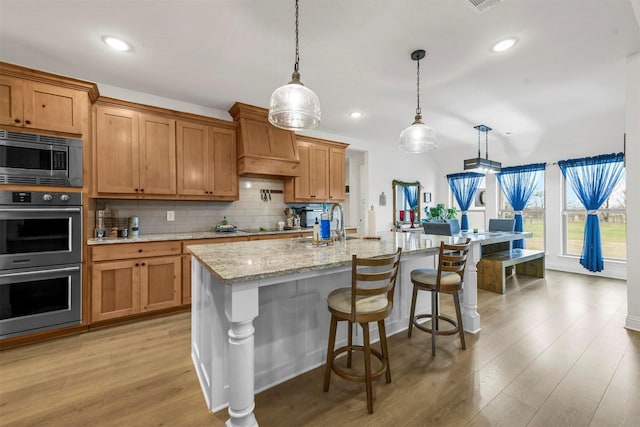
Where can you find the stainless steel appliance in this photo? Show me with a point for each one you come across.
(308, 215)
(39, 228)
(32, 159)
(40, 261)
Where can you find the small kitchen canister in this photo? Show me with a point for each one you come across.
(134, 226)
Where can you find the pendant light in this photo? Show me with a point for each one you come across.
(294, 106)
(418, 138)
(479, 164)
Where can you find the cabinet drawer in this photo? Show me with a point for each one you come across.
(134, 250)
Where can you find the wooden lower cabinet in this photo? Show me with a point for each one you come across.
(115, 289)
(123, 288)
(160, 284)
(133, 278)
(186, 279)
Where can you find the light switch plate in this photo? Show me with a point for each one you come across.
(171, 215)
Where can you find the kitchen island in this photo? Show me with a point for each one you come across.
(283, 284)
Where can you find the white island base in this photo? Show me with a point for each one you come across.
(291, 322)
(259, 311)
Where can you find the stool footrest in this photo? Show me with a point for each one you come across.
(448, 319)
(358, 378)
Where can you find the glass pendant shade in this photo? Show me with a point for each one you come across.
(418, 138)
(294, 106)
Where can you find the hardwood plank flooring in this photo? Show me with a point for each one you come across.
(552, 352)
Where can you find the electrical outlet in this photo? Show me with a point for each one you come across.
(171, 215)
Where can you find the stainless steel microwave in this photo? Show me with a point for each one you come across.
(31, 159)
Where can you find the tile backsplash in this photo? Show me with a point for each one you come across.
(249, 212)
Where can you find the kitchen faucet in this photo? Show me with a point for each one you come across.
(340, 233)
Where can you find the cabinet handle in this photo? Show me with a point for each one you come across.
(331, 197)
(136, 189)
(17, 120)
(139, 250)
(143, 264)
(137, 265)
(142, 190)
(28, 122)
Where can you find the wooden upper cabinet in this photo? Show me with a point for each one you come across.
(157, 154)
(135, 152)
(11, 110)
(117, 150)
(193, 163)
(337, 171)
(41, 106)
(225, 170)
(313, 182)
(263, 149)
(207, 165)
(322, 172)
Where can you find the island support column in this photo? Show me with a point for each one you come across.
(241, 307)
(470, 316)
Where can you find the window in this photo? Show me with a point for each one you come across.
(532, 215)
(613, 222)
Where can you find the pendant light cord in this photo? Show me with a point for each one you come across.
(478, 143)
(295, 66)
(418, 109)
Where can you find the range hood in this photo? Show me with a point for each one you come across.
(263, 149)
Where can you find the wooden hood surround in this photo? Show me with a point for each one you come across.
(263, 149)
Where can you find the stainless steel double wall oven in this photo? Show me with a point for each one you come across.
(40, 261)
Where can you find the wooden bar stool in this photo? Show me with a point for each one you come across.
(369, 299)
(449, 279)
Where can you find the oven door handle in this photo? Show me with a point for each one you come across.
(29, 273)
(40, 210)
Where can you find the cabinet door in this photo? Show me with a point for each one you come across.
(160, 283)
(117, 151)
(336, 174)
(52, 107)
(157, 155)
(223, 158)
(319, 172)
(186, 279)
(192, 159)
(302, 183)
(11, 109)
(115, 289)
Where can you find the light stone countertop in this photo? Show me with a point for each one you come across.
(254, 260)
(159, 237)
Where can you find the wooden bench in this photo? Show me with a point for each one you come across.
(494, 268)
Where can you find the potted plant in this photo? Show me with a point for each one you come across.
(440, 214)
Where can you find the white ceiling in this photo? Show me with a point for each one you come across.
(567, 69)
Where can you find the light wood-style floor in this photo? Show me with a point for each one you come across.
(552, 352)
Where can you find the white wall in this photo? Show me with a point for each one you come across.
(633, 197)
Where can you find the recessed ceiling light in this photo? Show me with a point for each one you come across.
(505, 44)
(507, 133)
(355, 114)
(116, 43)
